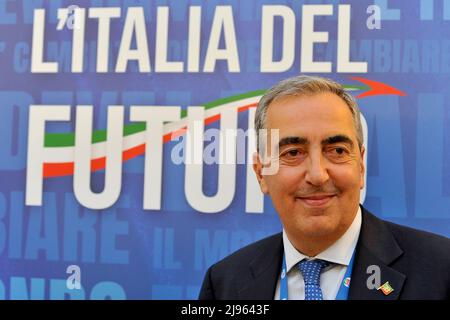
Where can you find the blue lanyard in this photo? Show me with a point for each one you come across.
(343, 289)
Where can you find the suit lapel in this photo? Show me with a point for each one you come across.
(263, 272)
(376, 247)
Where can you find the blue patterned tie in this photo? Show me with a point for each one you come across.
(311, 270)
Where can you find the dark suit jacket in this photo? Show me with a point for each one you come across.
(416, 264)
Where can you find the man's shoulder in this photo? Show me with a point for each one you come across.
(417, 245)
(248, 254)
(226, 278)
(423, 242)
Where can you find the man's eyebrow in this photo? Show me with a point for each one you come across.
(337, 139)
(292, 140)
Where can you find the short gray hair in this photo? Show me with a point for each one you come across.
(305, 86)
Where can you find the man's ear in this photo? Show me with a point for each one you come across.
(362, 168)
(257, 167)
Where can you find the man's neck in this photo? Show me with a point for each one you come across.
(312, 246)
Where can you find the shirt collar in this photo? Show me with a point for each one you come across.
(339, 252)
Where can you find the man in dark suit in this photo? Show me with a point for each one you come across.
(330, 247)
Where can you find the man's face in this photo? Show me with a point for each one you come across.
(321, 169)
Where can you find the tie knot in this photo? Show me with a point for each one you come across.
(311, 270)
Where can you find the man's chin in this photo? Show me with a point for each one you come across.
(317, 226)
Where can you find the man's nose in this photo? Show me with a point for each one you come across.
(316, 171)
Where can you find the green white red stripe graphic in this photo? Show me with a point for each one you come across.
(59, 147)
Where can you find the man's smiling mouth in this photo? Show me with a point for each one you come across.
(317, 200)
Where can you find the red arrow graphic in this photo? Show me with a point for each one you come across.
(377, 88)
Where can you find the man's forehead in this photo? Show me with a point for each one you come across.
(324, 106)
(314, 117)
(314, 133)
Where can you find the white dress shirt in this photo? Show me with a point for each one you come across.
(339, 254)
